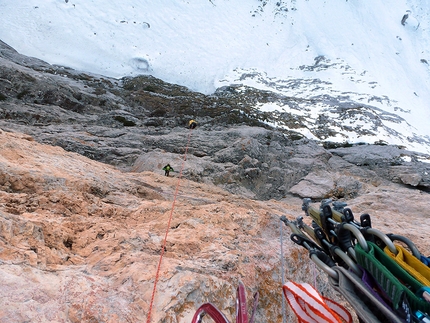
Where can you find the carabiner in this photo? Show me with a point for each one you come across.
(358, 235)
(348, 261)
(322, 265)
(412, 247)
(388, 242)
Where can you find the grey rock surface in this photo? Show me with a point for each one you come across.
(139, 124)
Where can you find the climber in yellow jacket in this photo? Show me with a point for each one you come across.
(192, 124)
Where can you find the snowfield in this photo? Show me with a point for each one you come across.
(371, 52)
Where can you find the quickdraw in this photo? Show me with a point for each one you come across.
(241, 309)
(382, 280)
(388, 279)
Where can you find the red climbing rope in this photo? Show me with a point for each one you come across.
(148, 320)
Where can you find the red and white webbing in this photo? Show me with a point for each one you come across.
(310, 307)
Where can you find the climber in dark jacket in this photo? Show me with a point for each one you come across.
(167, 169)
(192, 124)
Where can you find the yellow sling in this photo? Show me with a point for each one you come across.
(411, 264)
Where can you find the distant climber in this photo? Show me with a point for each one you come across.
(167, 169)
(192, 124)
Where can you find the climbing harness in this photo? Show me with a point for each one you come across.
(382, 280)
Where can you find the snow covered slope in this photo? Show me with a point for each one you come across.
(337, 54)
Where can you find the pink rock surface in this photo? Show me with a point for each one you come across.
(80, 241)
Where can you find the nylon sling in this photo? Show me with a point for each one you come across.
(368, 306)
(411, 264)
(392, 278)
(310, 307)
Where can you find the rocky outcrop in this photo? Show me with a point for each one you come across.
(80, 241)
(84, 205)
(390, 162)
(128, 121)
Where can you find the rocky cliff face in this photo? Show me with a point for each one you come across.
(80, 241)
(128, 121)
(84, 205)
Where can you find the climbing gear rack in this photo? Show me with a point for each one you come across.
(383, 281)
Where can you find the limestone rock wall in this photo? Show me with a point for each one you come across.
(84, 205)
